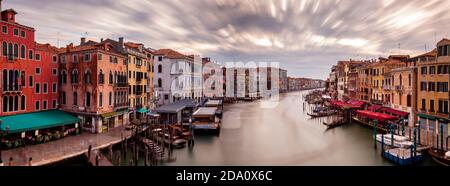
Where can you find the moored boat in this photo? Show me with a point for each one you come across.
(440, 157)
(399, 141)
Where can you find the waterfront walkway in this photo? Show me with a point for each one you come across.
(55, 151)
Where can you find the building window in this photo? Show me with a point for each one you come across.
(100, 99)
(54, 88)
(38, 71)
(44, 105)
(101, 78)
(87, 77)
(423, 86)
(63, 77)
(110, 98)
(5, 49)
(166, 96)
(88, 99)
(424, 104)
(75, 98)
(111, 78)
(431, 86)
(159, 68)
(75, 59)
(87, 57)
(431, 105)
(16, 50)
(432, 69)
(160, 58)
(116, 60)
(16, 103)
(45, 88)
(37, 88)
(63, 59)
(22, 34)
(23, 52)
(5, 29)
(110, 59)
(159, 82)
(54, 104)
(423, 70)
(74, 76)
(38, 106)
(5, 104)
(408, 101)
(38, 57)
(100, 57)
(11, 104)
(30, 81)
(55, 71)
(55, 59)
(63, 98)
(16, 32)
(30, 54)
(22, 102)
(22, 79)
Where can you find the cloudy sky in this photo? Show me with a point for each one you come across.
(305, 36)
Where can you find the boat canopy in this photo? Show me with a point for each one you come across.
(375, 115)
(395, 112)
(355, 102)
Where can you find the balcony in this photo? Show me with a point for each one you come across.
(119, 106)
(399, 88)
(12, 90)
(387, 87)
(121, 85)
(11, 57)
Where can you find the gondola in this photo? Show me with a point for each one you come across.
(440, 156)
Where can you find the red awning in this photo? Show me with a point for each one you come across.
(374, 108)
(356, 102)
(341, 104)
(395, 112)
(375, 115)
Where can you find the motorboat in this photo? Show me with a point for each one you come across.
(399, 141)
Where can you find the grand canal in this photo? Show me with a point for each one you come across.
(283, 135)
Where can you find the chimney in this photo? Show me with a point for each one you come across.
(101, 40)
(121, 43)
(83, 41)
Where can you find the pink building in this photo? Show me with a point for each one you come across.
(94, 85)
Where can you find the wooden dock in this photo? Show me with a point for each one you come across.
(96, 158)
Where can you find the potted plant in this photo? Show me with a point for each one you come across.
(39, 139)
(47, 138)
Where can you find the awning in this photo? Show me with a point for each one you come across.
(356, 102)
(395, 112)
(375, 115)
(37, 120)
(343, 105)
(426, 116)
(374, 108)
(109, 115)
(142, 110)
(152, 114)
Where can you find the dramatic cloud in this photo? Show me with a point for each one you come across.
(305, 36)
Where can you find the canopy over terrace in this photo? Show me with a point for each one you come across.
(394, 112)
(343, 105)
(376, 115)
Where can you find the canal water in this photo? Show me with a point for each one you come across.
(282, 135)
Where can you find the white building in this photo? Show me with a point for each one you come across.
(177, 76)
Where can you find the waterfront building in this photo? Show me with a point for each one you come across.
(381, 80)
(29, 82)
(213, 87)
(173, 76)
(433, 93)
(346, 70)
(138, 70)
(151, 97)
(364, 83)
(283, 80)
(404, 92)
(94, 85)
(332, 87)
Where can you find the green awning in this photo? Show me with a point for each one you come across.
(109, 115)
(426, 116)
(142, 110)
(37, 120)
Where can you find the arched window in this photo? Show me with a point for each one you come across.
(110, 98)
(5, 104)
(159, 82)
(87, 76)
(115, 76)
(11, 104)
(10, 49)
(75, 98)
(5, 49)
(401, 80)
(88, 99)
(408, 101)
(5, 79)
(110, 78)
(101, 77)
(22, 52)
(409, 80)
(11, 80)
(22, 79)
(74, 76)
(16, 50)
(16, 103)
(63, 77)
(22, 102)
(16, 80)
(159, 68)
